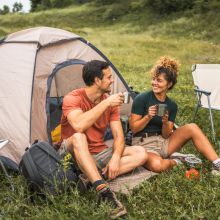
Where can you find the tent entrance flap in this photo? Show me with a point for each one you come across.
(65, 78)
(55, 112)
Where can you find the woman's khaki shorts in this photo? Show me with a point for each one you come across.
(154, 144)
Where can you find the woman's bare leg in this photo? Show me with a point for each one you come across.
(157, 164)
(191, 131)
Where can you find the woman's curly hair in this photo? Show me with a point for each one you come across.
(169, 67)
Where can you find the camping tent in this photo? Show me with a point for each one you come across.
(37, 67)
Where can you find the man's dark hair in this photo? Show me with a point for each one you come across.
(93, 69)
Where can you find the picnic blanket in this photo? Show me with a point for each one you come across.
(126, 182)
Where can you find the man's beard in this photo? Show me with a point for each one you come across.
(106, 90)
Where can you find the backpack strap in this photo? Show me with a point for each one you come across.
(32, 169)
(50, 150)
(53, 153)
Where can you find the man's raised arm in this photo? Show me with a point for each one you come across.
(81, 121)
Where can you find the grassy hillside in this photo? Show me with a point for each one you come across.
(187, 24)
(134, 41)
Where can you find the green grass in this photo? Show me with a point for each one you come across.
(134, 42)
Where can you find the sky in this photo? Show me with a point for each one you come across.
(26, 4)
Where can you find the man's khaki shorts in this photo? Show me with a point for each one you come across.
(154, 144)
(101, 159)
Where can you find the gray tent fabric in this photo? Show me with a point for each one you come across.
(16, 71)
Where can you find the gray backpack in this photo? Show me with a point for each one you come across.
(47, 171)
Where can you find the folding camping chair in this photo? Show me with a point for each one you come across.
(2, 144)
(207, 86)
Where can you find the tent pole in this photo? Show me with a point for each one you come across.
(32, 89)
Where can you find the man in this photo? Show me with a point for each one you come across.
(86, 115)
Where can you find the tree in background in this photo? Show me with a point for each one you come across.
(45, 5)
(34, 4)
(5, 10)
(17, 7)
(40, 5)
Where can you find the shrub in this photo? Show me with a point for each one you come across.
(105, 2)
(82, 1)
(40, 5)
(168, 6)
(61, 3)
(46, 4)
(109, 14)
(203, 6)
(34, 4)
(109, 2)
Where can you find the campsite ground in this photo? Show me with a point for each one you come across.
(133, 43)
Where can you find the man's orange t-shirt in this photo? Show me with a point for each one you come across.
(78, 99)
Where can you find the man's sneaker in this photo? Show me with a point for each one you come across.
(83, 183)
(106, 195)
(215, 171)
(181, 157)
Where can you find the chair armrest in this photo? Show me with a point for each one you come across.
(203, 91)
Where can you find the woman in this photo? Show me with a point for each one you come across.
(155, 133)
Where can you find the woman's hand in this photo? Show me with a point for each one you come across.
(165, 118)
(152, 111)
(138, 123)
